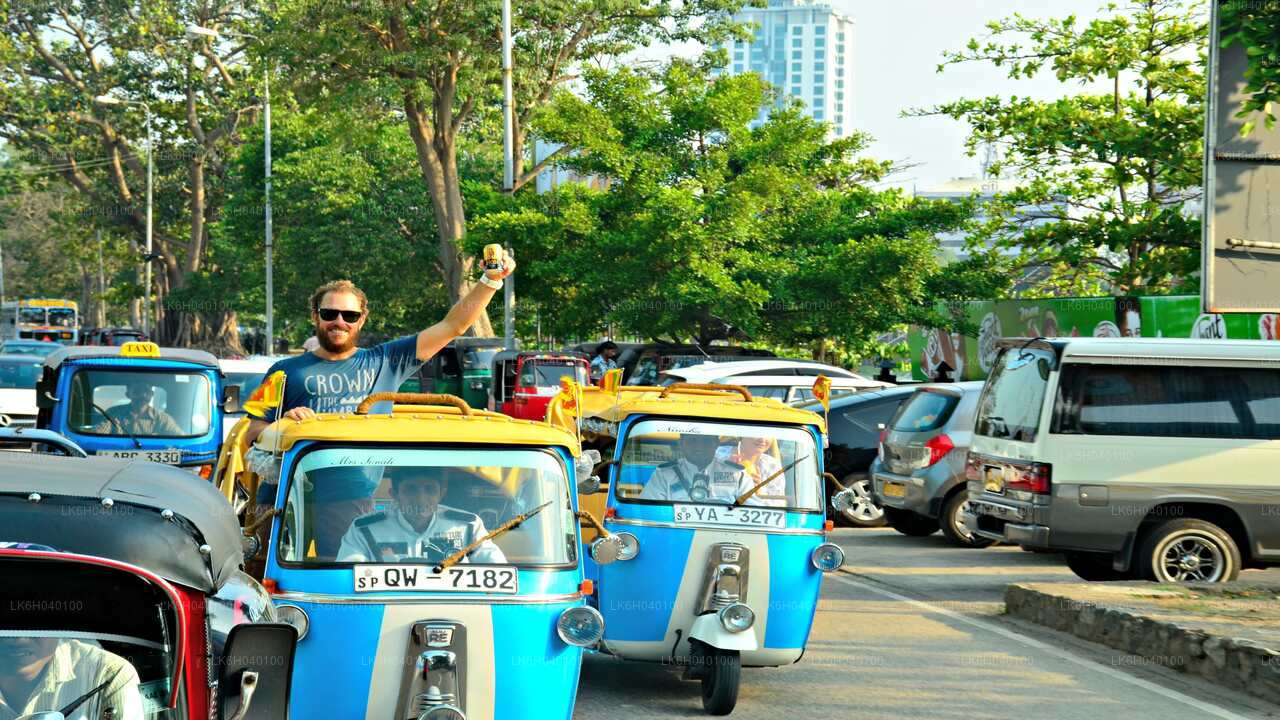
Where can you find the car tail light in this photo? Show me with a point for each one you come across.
(1031, 477)
(938, 448)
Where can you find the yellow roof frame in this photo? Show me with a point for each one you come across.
(418, 424)
(710, 404)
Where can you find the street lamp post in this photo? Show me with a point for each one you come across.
(196, 31)
(146, 293)
(508, 167)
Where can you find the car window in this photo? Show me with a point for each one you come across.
(776, 392)
(924, 411)
(859, 426)
(1169, 401)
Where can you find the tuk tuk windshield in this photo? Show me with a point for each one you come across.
(159, 403)
(478, 359)
(712, 462)
(395, 505)
(546, 374)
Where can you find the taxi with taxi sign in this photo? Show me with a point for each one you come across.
(137, 401)
(429, 558)
(714, 512)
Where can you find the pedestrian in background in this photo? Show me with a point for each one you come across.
(603, 360)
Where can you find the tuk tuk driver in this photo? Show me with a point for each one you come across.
(698, 475)
(419, 527)
(139, 417)
(78, 679)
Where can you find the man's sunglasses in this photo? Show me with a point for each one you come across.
(331, 314)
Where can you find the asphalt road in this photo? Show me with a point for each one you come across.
(911, 629)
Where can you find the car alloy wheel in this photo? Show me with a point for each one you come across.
(865, 511)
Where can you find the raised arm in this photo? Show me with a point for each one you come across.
(464, 314)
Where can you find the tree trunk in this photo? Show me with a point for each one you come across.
(438, 161)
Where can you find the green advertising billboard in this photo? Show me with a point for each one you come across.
(968, 357)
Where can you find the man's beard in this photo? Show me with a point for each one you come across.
(333, 347)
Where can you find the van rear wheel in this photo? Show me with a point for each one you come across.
(1187, 550)
(910, 523)
(1094, 567)
(953, 528)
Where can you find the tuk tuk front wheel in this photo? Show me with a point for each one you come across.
(721, 674)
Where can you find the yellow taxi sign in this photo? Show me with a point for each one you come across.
(140, 349)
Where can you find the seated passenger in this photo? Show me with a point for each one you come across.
(419, 527)
(138, 417)
(80, 680)
(753, 455)
(698, 475)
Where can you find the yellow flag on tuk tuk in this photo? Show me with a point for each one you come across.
(822, 391)
(568, 396)
(269, 395)
(612, 381)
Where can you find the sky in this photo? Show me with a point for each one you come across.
(898, 45)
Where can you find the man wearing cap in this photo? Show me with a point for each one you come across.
(419, 527)
(698, 475)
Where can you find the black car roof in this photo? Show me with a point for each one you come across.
(862, 396)
(71, 514)
(83, 352)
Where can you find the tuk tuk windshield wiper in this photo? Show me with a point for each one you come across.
(747, 495)
(137, 444)
(511, 524)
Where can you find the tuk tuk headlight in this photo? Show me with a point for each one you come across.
(443, 712)
(605, 549)
(295, 616)
(737, 617)
(630, 546)
(582, 626)
(828, 557)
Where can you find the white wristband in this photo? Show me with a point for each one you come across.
(495, 284)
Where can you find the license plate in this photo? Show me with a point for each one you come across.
(993, 479)
(729, 517)
(1000, 511)
(168, 457)
(894, 490)
(422, 578)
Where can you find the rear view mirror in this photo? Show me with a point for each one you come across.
(255, 671)
(231, 399)
(843, 500)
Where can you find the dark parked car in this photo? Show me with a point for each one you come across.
(111, 336)
(853, 429)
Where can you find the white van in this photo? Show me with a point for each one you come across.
(1148, 458)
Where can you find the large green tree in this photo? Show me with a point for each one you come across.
(707, 227)
(438, 63)
(1256, 26)
(56, 56)
(1111, 172)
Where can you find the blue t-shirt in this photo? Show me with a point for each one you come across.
(335, 386)
(328, 386)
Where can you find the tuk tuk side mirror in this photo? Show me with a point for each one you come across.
(843, 500)
(255, 671)
(231, 398)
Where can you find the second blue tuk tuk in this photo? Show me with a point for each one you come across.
(716, 507)
(136, 401)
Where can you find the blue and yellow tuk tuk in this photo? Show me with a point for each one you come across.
(138, 400)
(429, 558)
(715, 500)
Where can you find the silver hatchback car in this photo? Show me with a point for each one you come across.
(919, 476)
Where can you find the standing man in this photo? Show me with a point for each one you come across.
(336, 376)
(604, 360)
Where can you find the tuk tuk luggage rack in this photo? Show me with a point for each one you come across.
(706, 389)
(414, 399)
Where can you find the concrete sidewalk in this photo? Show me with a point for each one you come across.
(1228, 633)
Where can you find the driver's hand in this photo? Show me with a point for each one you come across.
(300, 413)
(508, 267)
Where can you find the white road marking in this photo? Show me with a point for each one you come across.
(1044, 647)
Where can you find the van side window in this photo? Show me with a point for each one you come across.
(1173, 401)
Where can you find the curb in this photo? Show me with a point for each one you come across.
(1230, 662)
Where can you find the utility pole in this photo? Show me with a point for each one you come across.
(508, 171)
(101, 315)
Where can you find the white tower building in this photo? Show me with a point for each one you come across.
(805, 49)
